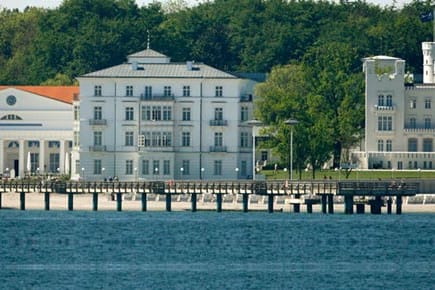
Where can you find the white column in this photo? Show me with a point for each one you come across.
(62, 156)
(21, 161)
(2, 157)
(41, 156)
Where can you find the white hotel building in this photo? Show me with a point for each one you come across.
(399, 119)
(152, 119)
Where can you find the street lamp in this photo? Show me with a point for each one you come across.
(83, 173)
(237, 172)
(254, 124)
(291, 123)
(135, 174)
(202, 173)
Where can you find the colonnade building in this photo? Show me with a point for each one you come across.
(36, 136)
(153, 119)
(399, 118)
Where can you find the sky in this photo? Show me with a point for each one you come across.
(21, 4)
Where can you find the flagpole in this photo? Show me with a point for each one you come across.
(433, 24)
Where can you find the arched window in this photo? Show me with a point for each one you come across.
(11, 117)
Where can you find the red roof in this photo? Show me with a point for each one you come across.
(64, 94)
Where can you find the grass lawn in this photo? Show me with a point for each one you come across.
(352, 175)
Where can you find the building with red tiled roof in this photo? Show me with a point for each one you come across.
(65, 94)
(36, 129)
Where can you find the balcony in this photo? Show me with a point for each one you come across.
(97, 148)
(218, 148)
(156, 97)
(99, 122)
(385, 108)
(218, 123)
(246, 98)
(419, 130)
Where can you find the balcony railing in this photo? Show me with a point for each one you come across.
(97, 148)
(385, 108)
(218, 123)
(218, 148)
(145, 97)
(420, 130)
(99, 122)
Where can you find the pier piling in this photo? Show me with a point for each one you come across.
(324, 203)
(330, 203)
(348, 204)
(194, 200)
(270, 204)
(360, 208)
(399, 204)
(0, 200)
(22, 200)
(47, 200)
(70, 201)
(144, 201)
(219, 202)
(245, 202)
(389, 205)
(95, 201)
(168, 202)
(119, 201)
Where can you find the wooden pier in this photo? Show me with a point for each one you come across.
(355, 193)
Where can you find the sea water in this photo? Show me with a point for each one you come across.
(208, 250)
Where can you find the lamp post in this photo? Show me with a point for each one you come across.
(83, 173)
(102, 170)
(291, 123)
(135, 174)
(202, 173)
(237, 172)
(254, 124)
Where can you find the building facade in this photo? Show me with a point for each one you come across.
(36, 136)
(399, 118)
(153, 119)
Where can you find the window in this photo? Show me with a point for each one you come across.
(381, 100)
(129, 91)
(156, 167)
(218, 139)
(148, 92)
(167, 113)
(147, 139)
(413, 104)
(167, 139)
(186, 91)
(186, 114)
(389, 146)
(427, 145)
(219, 91)
(244, 140)
(146, 113)
(166, 167)
(218, 167)
(385, 123)
(53, 144)
(156, 139)
(76, 138)
(218, 114)
(380, 145)
(244, 114)
(128, 167)
(389, 101)
(98, 138)
(145, 167)
(167, 91)
(412, 123)
(264, 155)
(129, 138)
(157, 113)
(185, 140)
(412, 145)
(427, 104)
(98, 113)
(33, 144)
(427, 123)
(185, 169)
(54, 162)
(97, 166)
(97, 91)
(129, 113)
(76, 113)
